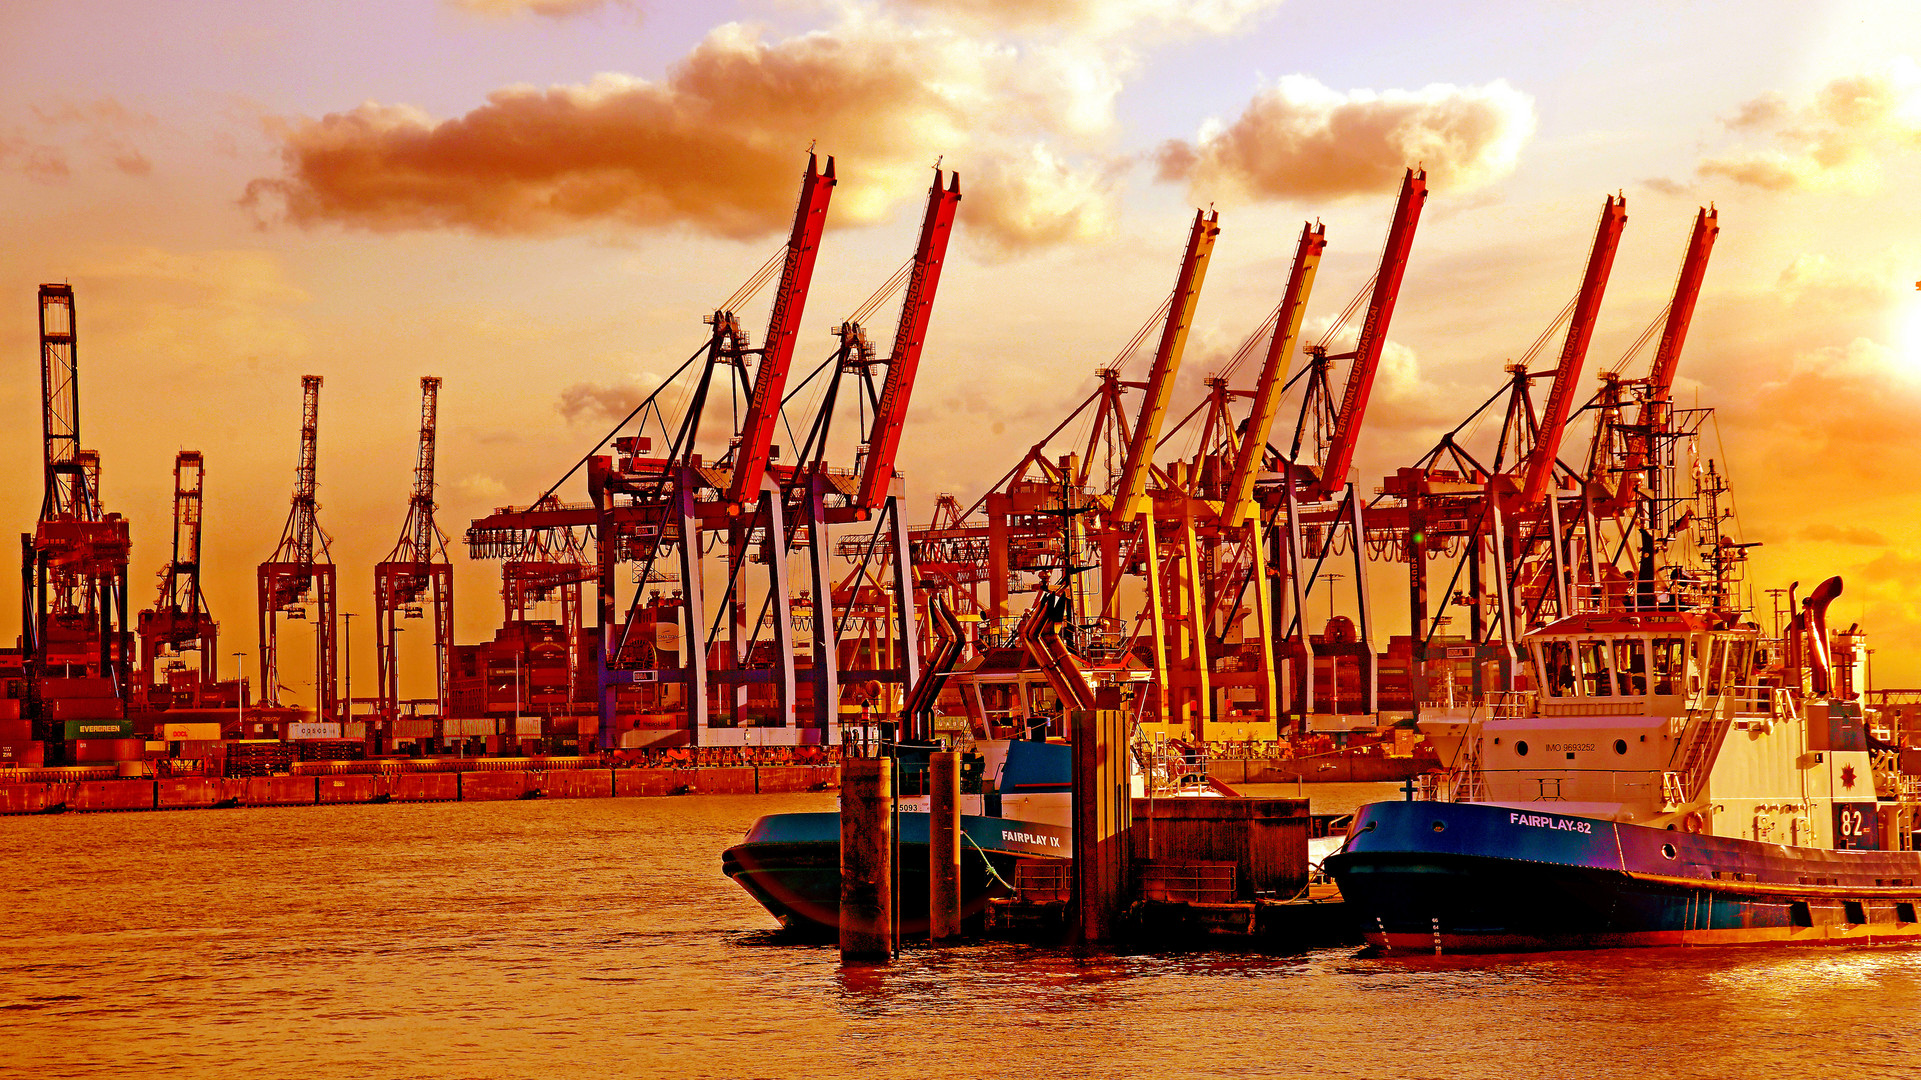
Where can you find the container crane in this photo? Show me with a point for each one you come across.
(645, 507)
(301, 571)
(1209, 504)
(818, 497)
(1504, 515)
(74, 563)
(1312, 474)
(1240, 507)
(179, 621)
(416, 569)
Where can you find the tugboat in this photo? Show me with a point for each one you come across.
(1016, 799)
(1671, 781)
(1022, 811)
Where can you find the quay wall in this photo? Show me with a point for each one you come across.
(45, 791)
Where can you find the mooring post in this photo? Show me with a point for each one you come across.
(866, 860)
(943, 845)
(1103, 814)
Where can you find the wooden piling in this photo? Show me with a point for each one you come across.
(1103, 815)
(866, 860)
(943, 846)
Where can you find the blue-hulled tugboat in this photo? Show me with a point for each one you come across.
(790, 863)
(1673, 780)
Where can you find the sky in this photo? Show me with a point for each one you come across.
(538, 200)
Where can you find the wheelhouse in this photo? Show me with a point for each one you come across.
(1662, 662)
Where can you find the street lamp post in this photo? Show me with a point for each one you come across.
(347, 709)
(240, 691)
(1333, 662)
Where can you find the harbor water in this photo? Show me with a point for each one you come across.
(597, 938)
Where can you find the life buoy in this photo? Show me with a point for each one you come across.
(1691, 822)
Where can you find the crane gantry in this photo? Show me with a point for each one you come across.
(301, 571)
(416, 571)
(74, 564)
(179, 621)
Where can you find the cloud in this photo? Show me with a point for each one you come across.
(1023, 201)
(480, 488)
(103, 128)
(1097, 18)
(1839, 419)
(605, 404)
(34, 160)
(1833, 142)
(552, 9)
(1299, 139)
(715, 146)
(1814, 282)
(1844, 535)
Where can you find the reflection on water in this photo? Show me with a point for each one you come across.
(597, 938)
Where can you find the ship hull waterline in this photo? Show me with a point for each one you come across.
(790, 865)
(1426, 877)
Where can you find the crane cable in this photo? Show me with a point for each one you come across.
(757, 282)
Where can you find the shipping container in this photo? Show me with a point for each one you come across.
(23, 754)
(296, 732)
(121, 728)
(89, 751)
(189, 732)
(82, 709)
(90, 687)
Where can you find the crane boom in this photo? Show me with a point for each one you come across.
(1687, 289)
(1373, 337)
(883, 440)
(66, 496)
(783, 328)
(1667, 358)
(420, 537)
(180, 592)
(1580, 330)
(1130, 498)
(297, 540)
(1239, 508)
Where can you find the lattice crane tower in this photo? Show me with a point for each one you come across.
(300, 568)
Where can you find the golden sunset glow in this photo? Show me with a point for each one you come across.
(538, 201)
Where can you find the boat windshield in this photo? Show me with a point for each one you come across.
(1668, 665)
(1557, 667)
(1630, 666)
(1595, 680)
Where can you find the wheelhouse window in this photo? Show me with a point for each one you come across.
(1595, 681)
(1557, 667)
(1717, 660)
(1631, 666)
(1740, 662)
(1668, 665)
